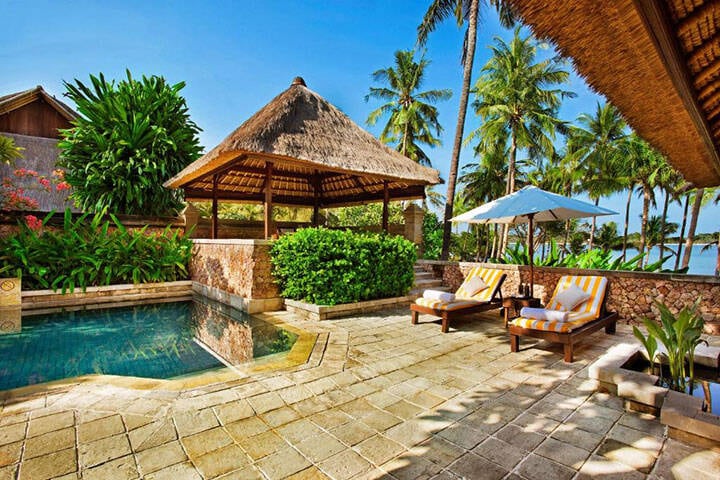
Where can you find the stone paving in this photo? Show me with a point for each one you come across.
(383, 399)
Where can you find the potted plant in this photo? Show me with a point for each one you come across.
(680, 334)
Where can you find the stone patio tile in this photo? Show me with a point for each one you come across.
(404, 409)
(359, 408)
(682, 461)
(192, 422)
(564, 453)
(425, 399)
(8, 473)
(11, 419)
(100, 428)
(438, 450)
(280, 416)
(152, 435)
(597, 425)
(233, 411)
(362, 389)
(633, 457)
(636, 439)
(534, 423)
(318, 448)
(266, 402)
(379, 449)
(475, 466)
(219, 462)
(10, 453)
(500, 452)
(409, 467)
(123, 468)
(346, 464)
(243, 429)
(49, 442)
(262, 445)
(245, 473)
(600, 467)
(100, 451)
(310, 406)
(330, 418)
(12, 433)
(50, 423)
(409, 434)
(382, 399)
(381, 420)
(282, 463)
(310, 473)
(49, 466)
(535, 466)
(643, 422)
(298, 430)
(520, 437)
(294, 394)
(204, 442)
(277, 382)
(179, 471)
(353, 432)
(579, 438)
(320, 385)
(463, 436)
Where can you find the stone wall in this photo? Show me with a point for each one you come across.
(238, 268)
(631, 294)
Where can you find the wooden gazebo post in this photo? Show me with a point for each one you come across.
(386, 200)
(214, 225)
(317, 195)
(268, 199)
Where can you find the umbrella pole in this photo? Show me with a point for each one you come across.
(531, 253)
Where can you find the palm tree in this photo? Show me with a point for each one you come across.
(517, 100)
(694, 214)
(669, 181)
(464, 12)
(686, 208)
(411, 117)
(657, 230)
(597, 141)
(9, 152)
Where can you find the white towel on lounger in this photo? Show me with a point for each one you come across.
(545, 314)
(444, 297)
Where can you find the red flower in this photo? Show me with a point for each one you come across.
(33, 222)
(62, 186)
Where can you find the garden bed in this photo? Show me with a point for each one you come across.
(682, 413)
(311, 311)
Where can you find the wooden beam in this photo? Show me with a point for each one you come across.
(655, 16)
(386, 201)
(214, 226)
(317, 198)
(268, 199)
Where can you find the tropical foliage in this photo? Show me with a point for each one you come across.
(133, 135)
(91, 251)
(412, 119)
(680, 334)
(330, 267)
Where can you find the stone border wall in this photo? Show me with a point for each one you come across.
(631, 294)
(237, 272)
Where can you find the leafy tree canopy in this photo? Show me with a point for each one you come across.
(133, 135)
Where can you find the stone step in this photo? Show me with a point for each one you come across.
(429, 283)
(423, 275)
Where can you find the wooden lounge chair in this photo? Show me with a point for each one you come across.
(487, 299)
(586, 318)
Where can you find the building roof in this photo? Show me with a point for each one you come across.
(658, 61)
(13, 101)
(313, 147)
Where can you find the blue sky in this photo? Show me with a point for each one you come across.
(237, 55)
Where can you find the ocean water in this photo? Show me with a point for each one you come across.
(701, 262)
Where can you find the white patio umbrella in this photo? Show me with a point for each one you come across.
(529, 205)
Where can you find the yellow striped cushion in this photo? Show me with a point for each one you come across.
(583, 313)
(438, 305)
(491, 277)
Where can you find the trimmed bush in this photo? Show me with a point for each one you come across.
(329, 267)
(92, 253)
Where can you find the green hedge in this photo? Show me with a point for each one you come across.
(92, 252)
(329, 267)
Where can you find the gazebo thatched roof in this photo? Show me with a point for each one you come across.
(318, 155)
(658, 61)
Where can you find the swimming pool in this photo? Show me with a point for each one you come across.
(160, 341)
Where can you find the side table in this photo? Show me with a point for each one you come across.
(516, 304)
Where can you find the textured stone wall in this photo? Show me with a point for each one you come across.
(240, 267)
(631, 294)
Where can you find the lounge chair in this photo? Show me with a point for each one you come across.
(464, 303)
(583, 320)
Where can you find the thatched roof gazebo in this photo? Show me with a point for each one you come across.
(658, 61)
(299, 150)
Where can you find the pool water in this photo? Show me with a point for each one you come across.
(158, 341)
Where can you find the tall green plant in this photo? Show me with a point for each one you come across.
(133, 135)
(680, 334)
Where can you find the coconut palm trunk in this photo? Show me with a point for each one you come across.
(457, 143)
(627, 222)
(663, 222)
(682, 231)
(643, 226)
(510, 186)
(593, 226)
(693, 225)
